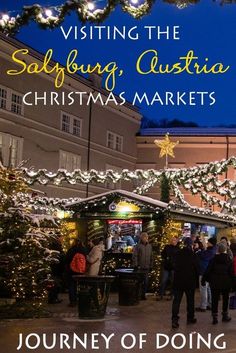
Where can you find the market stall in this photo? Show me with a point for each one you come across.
(119, 217)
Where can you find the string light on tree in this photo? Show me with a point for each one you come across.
(182, 4)
(48, 12)
(5, 17)
(24, 246)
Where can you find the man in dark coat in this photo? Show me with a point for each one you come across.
(167, 256)
(72, 285)
(186, 271)
(220, 274)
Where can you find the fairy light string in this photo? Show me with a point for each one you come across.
(204, 180)
(87, 11)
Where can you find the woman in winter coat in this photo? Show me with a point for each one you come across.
(219, 274)
(94, 258)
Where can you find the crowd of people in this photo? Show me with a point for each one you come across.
(187, 264)
(196, 262)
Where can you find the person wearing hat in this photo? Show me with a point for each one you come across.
(219, 274)
(205, 257)
(186, 272)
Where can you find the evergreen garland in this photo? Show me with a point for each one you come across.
(37, 13)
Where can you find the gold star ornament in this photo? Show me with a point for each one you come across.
(166, 146)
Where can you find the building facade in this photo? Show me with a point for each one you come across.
(49, 133)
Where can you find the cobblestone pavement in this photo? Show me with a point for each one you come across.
(142, 322)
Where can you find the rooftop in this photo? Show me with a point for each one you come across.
(188, 213)
(189, 131)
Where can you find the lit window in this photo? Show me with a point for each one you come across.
(11, 148)
(71, 124)
(69, 161)
(114, 141)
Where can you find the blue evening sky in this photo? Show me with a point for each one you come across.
(207, 28)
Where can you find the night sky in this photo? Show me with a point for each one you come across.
(207, 28)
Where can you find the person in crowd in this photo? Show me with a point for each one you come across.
(143, 260)
(205, 257)
(116, 237)
(225, 241)
(196, 247)
(233, 296)
(78, 248)
(219, 274)
(129, 240)
(233, 249)
(109, 241)
(199, 244)
(167, 256)
(194, 237)
(94, 258)
(186, 271)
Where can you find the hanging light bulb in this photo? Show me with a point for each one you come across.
(90, 6)
(182, 4)
(48, 12)
(5, 17)
(134, 2)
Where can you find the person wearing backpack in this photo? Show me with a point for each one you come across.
(75, 262)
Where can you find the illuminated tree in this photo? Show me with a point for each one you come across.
(24, 248)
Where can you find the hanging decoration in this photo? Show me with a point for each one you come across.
(204, 180)
(53, 16)
(182, 4)
(194, 176)
(88, 11)
(167, 147)
(43, 203)
(43, 177)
